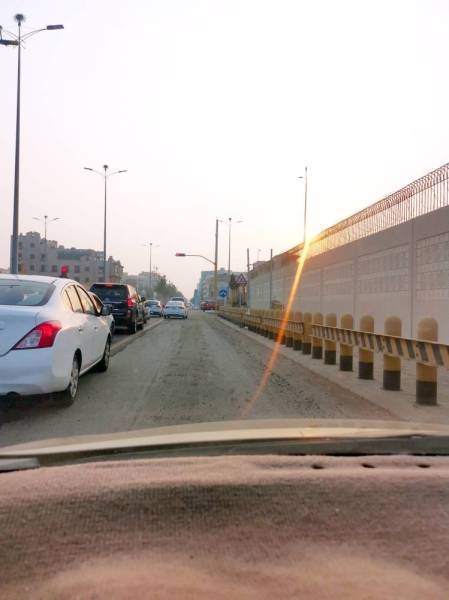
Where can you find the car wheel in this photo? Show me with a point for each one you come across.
(104, 362)
(67, 397)
(141, 325)
(132, 328)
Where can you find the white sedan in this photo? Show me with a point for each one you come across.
(50, 334)
(175, 309)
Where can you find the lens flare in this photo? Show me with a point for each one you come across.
(275, 353)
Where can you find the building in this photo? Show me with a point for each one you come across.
(46, 257)
(142, 281)
(205, 287)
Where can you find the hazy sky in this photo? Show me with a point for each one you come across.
(215, 107)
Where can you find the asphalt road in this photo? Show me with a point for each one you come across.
(187, 371)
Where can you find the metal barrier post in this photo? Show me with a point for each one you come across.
(306, 338)
(317, 342)
(289, 334)
(297, 337)
(366, 357)
(426, 376)
(392, 364)
(330, 347)
(346, 322)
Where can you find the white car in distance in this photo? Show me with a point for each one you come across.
(175, 309)
(50, 334)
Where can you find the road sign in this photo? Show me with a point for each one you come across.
(241, 279)
(223, 292)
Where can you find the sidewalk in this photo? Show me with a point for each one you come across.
(402, 403)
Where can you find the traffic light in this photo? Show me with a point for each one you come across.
(64, 271)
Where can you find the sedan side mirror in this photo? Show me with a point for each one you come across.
(105, 311)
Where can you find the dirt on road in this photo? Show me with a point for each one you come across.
(187, 371)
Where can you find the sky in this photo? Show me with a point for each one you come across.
(215, 107)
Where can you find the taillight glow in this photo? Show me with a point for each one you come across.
(42, 336)
(130, 302)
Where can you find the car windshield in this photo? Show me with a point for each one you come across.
(110, 293)
(14, 292)
(256, 191)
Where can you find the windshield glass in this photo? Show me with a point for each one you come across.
(257, 192)
(24, 293)
(109, 293)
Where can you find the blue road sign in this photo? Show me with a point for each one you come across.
(223, 292)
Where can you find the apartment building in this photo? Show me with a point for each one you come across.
(46, 257)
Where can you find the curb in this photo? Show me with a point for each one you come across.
(122, 344)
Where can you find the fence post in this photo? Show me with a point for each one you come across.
(346, 322)
(366, 357)
(306, 339)
(289, 334)
(392, 364)
(297, 338)
(271, 326)
(330, 347)
(317, 342)
(426, 377)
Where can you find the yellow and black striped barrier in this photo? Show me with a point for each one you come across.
(305, 332)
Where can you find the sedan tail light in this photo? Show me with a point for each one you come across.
(42, 336)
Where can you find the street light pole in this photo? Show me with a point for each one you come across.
(150, 278)
(20, 18)
(105, 167)
(105, 175)
(216, 265)
(45, 224)
(15, 219)
(229, 242)
(305, 203)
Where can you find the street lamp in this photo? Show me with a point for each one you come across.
(150, 246)
(213, 262)
(17, 41)
(45, 219)
(105, 175)
(305, 201)
(229, 242)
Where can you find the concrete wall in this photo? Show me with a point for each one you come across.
(401, 271)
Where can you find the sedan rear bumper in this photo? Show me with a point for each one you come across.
(28, 372)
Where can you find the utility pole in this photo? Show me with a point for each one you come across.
(248, 288)
(215, 265)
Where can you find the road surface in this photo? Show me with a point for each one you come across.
(200, 369)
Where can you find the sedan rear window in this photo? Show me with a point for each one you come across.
(14, 292)
(110, 293)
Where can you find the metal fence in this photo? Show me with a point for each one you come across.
(418, 198)
(415, 199)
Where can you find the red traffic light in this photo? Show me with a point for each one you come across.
(64, 270)
(180, 254)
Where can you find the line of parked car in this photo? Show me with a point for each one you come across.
(52, 331)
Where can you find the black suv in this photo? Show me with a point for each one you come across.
(126, 306)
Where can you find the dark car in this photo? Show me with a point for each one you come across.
(126, 306)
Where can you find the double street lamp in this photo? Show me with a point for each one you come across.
(105, 175)
(45, 219)
(17, 41)
(151, 246)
